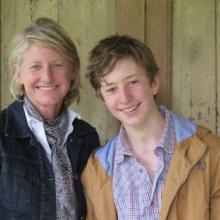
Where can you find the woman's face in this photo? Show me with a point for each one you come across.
(46, 76)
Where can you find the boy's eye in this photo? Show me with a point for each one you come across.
(133, 82)
(110, 90)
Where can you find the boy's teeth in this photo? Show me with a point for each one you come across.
(130, 109)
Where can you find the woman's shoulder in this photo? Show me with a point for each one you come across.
(3, 119)
(11, 115)
(82, 127)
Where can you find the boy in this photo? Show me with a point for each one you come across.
(159, 165)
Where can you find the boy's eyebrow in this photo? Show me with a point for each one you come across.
(104, 83)
(112, 83)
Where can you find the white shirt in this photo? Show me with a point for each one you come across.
(37, 128)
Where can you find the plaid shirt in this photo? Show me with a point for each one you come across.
(136, 195)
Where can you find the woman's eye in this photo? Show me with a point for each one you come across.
(57, 65)
(35, 67)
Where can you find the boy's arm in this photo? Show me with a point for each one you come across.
(98, 191)
(85, 180)
(215, 195)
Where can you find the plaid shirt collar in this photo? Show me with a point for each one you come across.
(166, 142)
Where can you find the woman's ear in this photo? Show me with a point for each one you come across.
(14, 68)
(16, 71)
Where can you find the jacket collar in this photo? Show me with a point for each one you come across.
(16, 123)
(184, 128)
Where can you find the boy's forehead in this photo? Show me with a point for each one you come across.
(105, 81)
(113, 64)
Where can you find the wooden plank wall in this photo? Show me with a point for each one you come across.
(193, 87)
(87, 21)
(158, 37)
(12, 21)
(150, 21)
(218, 67)
(196, 83)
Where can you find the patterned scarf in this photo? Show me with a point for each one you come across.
(55, 130)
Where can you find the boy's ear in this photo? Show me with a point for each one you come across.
(156, 84)
(73, 72)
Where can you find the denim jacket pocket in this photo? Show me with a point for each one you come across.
(16, 183)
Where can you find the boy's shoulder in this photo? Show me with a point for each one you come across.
(208, 137)
(105, 155)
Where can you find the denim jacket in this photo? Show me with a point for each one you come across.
(27, 186)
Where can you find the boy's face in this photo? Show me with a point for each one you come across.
(128, 94)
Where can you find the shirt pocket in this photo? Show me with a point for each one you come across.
(17, 182)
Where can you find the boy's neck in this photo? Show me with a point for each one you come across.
(147, 137)
(142, 142)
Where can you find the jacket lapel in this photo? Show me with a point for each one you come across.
(187, 154)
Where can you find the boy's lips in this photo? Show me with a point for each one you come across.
(130, 109)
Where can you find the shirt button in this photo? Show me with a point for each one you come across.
(140, 170)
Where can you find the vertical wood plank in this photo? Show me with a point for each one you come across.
(194, 78)
(158, 38)
(88, 21)
(218, 66)
(130, 18)
(44, 8)
(12, 21)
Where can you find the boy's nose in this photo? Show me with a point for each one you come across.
(125, 95)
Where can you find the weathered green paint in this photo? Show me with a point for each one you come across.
(218, 66)
(46, 8)
(195, 42)
(12, 21)
(130, 18)
(87, 22)
(158, 37)
(194, 61)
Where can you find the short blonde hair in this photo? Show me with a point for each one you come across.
(49, 34)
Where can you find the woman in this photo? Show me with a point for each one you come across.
(43, 145)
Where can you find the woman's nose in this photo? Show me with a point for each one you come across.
(47, 73)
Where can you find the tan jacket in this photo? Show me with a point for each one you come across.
(192, 189)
